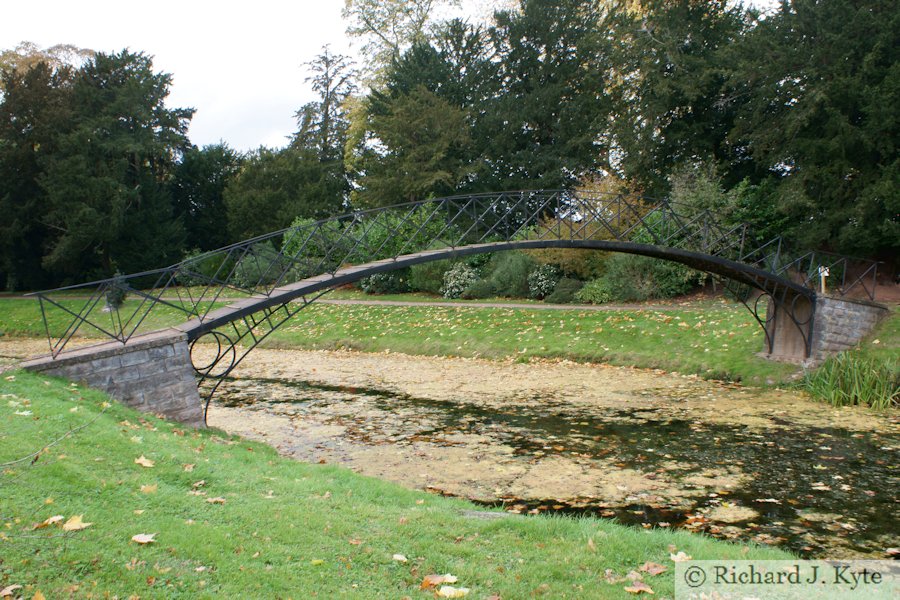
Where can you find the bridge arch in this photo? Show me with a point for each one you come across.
(291, 268)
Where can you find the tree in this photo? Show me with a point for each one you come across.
(544, 125)
(28, 55)
(198, 194)
(821, 119)
(323, 124)
(35, 109)
(423, 137)
(670, 65)
(389, 27)
(274, 187)
(106, 183)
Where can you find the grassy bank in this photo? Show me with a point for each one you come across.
(230, 518)
(711, 338)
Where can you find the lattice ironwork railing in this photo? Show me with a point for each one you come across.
(122, 307)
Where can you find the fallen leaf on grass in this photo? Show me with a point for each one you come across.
(188, 467)
(48, 522)
(355, 542)
(144, 462)
(317, 562)
(218, 500)
(448, 591)
(591, 545)
(143, 538)
(680, 557)
(432, 581)
(400, 558)
(611, 577)
(149, 489)
(639, 587)
(38, 595)
(75, 524)
(653, 569)
(8, 590)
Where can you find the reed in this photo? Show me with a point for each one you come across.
(849, 378)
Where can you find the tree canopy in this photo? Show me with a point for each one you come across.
(787, 120)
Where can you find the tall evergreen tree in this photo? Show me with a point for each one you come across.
(198, 194)
(106, 183)
(821, 82)
(35, 109)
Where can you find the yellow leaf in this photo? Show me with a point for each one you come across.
(216, 500)
(432, 581)
(680, 557)
(639, 587)
(75, 524)
(400, 558)
(144, 462)
(448, 591)
(188, 467)
(38, 595)
(143, 538)
(8, 590)
(149, 489)
(49, 521)
(653, 568)
(317, 562)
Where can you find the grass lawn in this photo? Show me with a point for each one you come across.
(714, 339)
(231, 519)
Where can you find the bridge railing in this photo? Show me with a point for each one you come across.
(121, 307)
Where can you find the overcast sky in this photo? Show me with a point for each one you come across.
(239, 64)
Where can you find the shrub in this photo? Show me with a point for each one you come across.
(848, 379)
(457, 279)
(429, 277)
(199, 268)
(595, 291)
(391, 282)
(481, 289)
(314, 247)
(261, 265)
(509, 273)
(637, 278)
(542, 281)
(565, 292)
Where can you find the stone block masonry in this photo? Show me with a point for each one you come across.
(151, 373)
(841, 325)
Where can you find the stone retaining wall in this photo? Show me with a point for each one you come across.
(152, 374)
(841, 324)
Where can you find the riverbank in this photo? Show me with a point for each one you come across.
(642, 446)
(98, 500)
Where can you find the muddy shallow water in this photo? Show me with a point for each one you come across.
(645, 447)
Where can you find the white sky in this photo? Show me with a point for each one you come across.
(239, 64)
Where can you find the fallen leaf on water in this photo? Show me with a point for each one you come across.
(653, 568)
(680, 557)
(75, 524)
(144, 462)
(48, 522)
(448, 591)
(639, 587)
(400, 558)
(218, 500)
(149, 489)
(8, 590)
(143, 538)
(431, 581)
